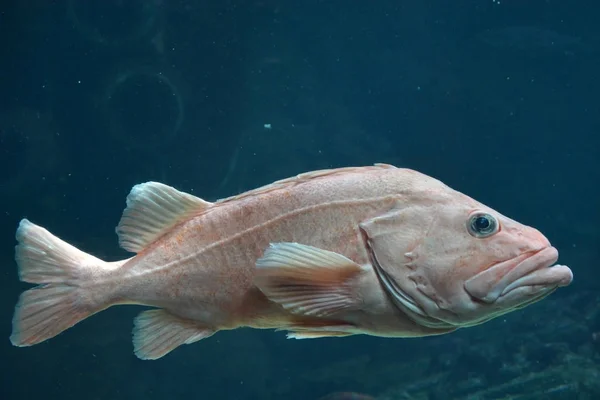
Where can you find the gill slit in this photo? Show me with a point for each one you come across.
(400, 299)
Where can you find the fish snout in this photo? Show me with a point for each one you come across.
(535, 240)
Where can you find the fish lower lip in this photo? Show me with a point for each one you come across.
(560, 275)
(490, 284)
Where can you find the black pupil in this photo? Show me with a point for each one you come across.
(482, 223)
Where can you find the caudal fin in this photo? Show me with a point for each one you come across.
(66, 283)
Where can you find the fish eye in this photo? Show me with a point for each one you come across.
(482, 225)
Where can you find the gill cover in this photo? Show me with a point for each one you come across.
(389, 240)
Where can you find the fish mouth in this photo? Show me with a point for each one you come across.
(529, 276)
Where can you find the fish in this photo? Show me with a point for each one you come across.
(375, 250)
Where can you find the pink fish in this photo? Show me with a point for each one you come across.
(373, 250)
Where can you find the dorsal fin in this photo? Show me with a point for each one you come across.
(152, 209)
(301, 178)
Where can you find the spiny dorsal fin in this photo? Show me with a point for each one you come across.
(152, 209)
(304, 177)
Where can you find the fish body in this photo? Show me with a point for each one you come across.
(375, 250)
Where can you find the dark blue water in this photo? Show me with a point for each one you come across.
(499, 100)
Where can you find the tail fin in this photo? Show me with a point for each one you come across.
(66, 277)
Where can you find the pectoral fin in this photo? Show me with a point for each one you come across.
(307, 280)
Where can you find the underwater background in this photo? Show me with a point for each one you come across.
(498, 99)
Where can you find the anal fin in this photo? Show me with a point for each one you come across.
(157, 332)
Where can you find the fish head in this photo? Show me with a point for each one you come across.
(449, 261)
